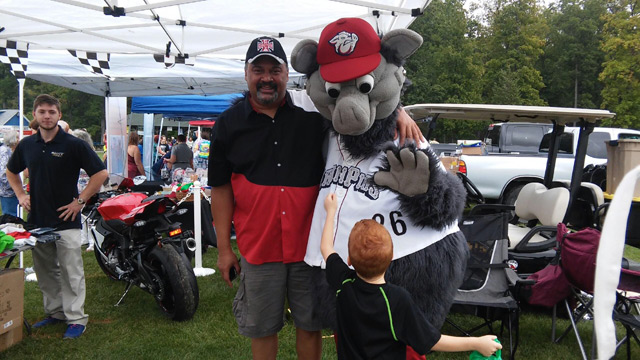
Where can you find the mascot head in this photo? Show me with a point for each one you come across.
(354, 76)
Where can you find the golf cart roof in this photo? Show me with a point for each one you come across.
(543, 114)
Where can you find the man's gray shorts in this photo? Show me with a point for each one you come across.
(260, 301)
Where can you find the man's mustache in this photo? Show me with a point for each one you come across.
(270, 84)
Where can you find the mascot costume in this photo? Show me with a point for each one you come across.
(355, 79)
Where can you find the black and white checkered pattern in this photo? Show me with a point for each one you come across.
(16, 55)
(97, 63)
(171, 60)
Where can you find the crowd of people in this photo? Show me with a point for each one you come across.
(256, 166)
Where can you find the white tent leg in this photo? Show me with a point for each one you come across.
(197, 221)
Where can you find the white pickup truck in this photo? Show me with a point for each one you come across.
(501, 176)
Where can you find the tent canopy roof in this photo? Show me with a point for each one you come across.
(213, 34)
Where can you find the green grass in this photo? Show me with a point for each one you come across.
(137, 329)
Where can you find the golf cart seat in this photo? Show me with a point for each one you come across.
(542, 209)
(587, 201)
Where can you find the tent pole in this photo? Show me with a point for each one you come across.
(198, 270)
(21, 104)
(159, 136)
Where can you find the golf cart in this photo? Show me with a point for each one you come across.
(550, 198)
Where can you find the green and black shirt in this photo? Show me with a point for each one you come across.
(376, 321)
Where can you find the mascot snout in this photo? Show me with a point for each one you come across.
(352, 114)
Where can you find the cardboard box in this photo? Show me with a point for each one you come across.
(450, 163)
(471, 147)
(622, 156)
(11, 307)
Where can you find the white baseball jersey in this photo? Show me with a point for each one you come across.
(349, 180)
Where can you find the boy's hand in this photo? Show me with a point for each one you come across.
(487, 345)
(331, 203)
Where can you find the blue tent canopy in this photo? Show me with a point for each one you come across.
(183, 106)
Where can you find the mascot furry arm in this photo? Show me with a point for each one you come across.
(355, 80)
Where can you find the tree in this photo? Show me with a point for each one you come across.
(572, 56)
(79, 109)
(621, 67)
(513, 42)
(446, 69)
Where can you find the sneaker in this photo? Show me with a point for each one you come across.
(74, 331)
(46, 321)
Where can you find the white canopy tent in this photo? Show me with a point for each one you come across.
(194, 27)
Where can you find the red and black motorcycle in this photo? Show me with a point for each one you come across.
(136, 241)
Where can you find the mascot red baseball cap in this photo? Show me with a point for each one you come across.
(348, 48)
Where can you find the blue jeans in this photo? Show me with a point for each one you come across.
(9, 205)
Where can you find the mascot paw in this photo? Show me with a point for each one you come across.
(408, 174)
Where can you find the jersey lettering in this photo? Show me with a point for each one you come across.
(350, 177)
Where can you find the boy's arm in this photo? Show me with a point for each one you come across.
(484, 344)
(326, 243)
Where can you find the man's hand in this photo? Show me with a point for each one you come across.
(25, 201)
(227, 260)
(70, 211)
(408, 129)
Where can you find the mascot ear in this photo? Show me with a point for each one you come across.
(403, 42)
(303, 57)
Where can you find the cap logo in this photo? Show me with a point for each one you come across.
(265, 45)
(344, 42)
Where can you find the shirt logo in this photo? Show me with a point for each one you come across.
(265, 45)
(57, 154)
(350, 176)
(344, 42)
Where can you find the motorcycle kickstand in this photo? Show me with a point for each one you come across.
(126, 291)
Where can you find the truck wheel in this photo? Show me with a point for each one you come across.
(178, 292)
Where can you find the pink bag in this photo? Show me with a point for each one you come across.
(551, 286)
(578, 253)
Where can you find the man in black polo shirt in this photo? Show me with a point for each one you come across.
(54, 159)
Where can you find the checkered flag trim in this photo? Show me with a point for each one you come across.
(16, 55)
(97, 63)
(171, 60)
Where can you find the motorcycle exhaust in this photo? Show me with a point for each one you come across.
(191, 244)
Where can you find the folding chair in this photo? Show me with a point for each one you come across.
(531, 233)
(578, 262)
(489, 284)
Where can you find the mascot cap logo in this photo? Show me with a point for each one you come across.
(348, 48)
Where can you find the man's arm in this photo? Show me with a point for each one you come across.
(72, 209)
(485, 345)
(222, 210)
(326, 244)
(16, 184)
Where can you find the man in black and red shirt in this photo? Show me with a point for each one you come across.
(265, 166)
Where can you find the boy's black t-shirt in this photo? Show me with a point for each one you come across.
(376, 321)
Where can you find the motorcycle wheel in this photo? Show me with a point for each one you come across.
(105, 268)
(177, 298)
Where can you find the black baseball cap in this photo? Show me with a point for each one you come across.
(266, 45)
